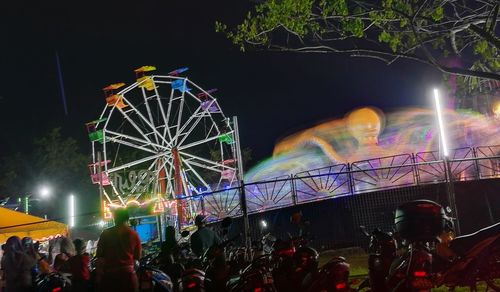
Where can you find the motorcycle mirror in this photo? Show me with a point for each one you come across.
(448, 210)
(363, 229)
(185, 233)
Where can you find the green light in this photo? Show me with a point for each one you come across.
(26, 205)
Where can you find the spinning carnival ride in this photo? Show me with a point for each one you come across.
(161, 139)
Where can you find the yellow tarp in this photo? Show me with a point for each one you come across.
(20, 224)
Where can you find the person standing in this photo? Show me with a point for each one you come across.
(117, 250)
(203, 238)
(2, 273)
(67, 250)
(79, 268)
(17, 265)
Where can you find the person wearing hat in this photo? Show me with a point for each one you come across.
(203, 238)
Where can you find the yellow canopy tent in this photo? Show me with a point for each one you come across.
(20, 224)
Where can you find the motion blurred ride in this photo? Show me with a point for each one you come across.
(431, 256)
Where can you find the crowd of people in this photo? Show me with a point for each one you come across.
(118, 250)
(23, 263)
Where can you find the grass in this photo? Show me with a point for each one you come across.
(358, 261)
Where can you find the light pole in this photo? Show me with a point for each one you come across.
(450, 190)
(71, 209)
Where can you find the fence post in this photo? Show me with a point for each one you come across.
(351, 180)
(476, 163)
(450, 190)
(294, 189)
(415, 169)
(246, 223)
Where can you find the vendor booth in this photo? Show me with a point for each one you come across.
(20, 224)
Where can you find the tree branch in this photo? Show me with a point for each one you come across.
(490, 38)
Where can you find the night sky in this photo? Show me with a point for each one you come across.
(273, 94)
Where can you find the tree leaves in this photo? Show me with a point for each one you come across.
(387, 30)
(55, 159)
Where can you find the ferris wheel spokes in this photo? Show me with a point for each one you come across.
(214, 165)
(153, 122)
(198, 176)
(144, 120)
(148, 110)
(162, 111)
(133, 163)
(144, 143)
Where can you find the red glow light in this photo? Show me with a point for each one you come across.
(56, 289)
(286, 252)
(191, 285)
(340, 285)
(420, 273)
(258, 289)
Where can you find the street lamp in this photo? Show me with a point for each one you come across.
(44, 193)
(445, 153)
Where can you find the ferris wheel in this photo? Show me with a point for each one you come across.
(161, 137)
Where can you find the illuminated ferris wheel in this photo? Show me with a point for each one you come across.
(162, 137)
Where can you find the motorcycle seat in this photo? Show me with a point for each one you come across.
(461, 244)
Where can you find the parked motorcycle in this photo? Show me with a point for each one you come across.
(382, 252)
(474, 257)
(296, 267)
(151, 278)
(256, 277)
(333, 276)
(53, 282)
(428, 263)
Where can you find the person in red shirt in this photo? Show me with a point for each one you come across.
(117, 250)
(79, 267)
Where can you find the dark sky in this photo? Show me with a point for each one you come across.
(273, 94)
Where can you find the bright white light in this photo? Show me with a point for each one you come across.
(44, 192)
(441, 123)
(71, 211)
(102, 223)
(263, 223)
(496, 110)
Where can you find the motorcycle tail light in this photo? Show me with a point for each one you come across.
(258, 289)
(191, 285)
(340, 286)
(286, 252)
(58, 289)
(420, 274)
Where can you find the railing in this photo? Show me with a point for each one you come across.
(350, 179)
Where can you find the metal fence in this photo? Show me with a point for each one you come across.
(360, 177)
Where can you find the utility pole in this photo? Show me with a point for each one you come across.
(243, 199)
(99, 171)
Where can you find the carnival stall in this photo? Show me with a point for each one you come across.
(20, 224)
